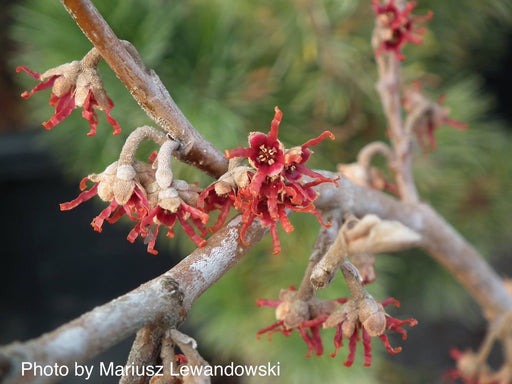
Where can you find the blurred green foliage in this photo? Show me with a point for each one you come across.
(227, 63)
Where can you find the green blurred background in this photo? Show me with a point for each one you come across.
(227, 63)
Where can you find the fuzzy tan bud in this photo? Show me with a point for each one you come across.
(282, 310)
(124, 183)
(241, 177)
(298, 311)
(89, 80)
(235, 178)
(372, 316)
(348, 327)
(105, 182)
(105, 191)
(343, 313)
(67, 73)
(223, 187)
(123, 190)
(169, 199)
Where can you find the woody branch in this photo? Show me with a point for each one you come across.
(163, 301)
(439, 239)
(168, 298)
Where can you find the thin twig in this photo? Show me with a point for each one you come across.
(369, 151)
(438, 238)
(324, 240)
(144, 352)
(388, 87)
(133, 141)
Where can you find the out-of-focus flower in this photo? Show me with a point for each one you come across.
(472, 371)
(395, 27)
(425, 116)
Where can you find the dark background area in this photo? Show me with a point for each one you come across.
(49, 271)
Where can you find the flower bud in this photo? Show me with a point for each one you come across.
(372, 316)
(124, 183)
(169, 199)
(67, 76)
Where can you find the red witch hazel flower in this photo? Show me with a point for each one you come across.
(133, 191)
(135, 205)
(395, 27)
(470, 370)
(425, 116)
(305, 316)
(171, 206)
(221, 195)
(75, 85)
(352, 318)
(273, 184)
(368, 316)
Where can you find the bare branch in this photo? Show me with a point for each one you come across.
(168, 298)
(388, 87)
(164, 300)
(145, 86)
(438, 238)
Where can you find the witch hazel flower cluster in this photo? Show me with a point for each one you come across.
(75, 85)
(354, 320)
(306, 315)
(147, 193)
(274, 182)
(362, 320)
(470, 369)
(357, 318)
(144, 203)
(395, 26)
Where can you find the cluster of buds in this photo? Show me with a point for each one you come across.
(306, 315)
(359, 317)
(395, 26)
(147, 193)
(365, 317)
(272, 185)
(350, 317)
(425, 116)
(75, 85)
